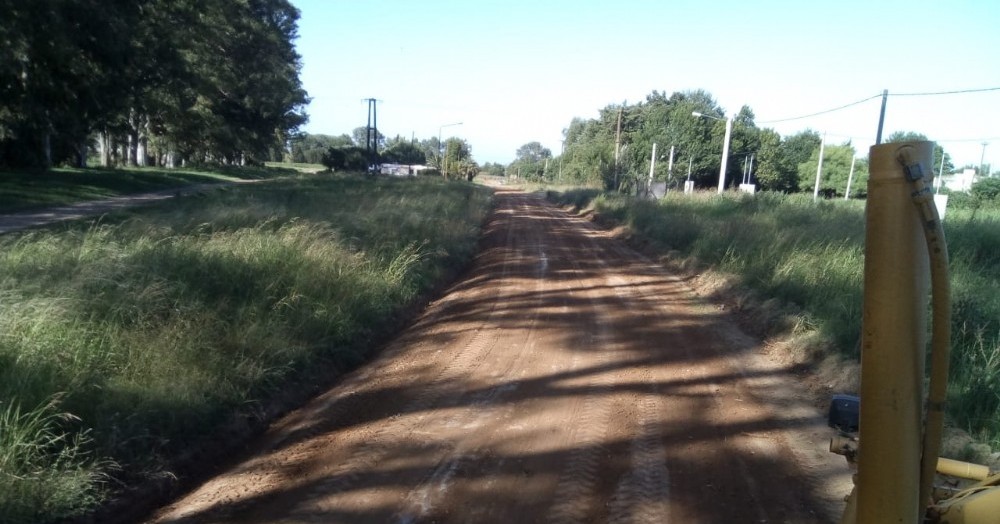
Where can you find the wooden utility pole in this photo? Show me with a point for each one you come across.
(618, 143)
(881, 117)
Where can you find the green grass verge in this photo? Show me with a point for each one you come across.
(151, 329)
(298, 166)
(24, 190)
(811, 255)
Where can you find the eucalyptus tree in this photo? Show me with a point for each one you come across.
(588, 152)
(458, 158)
(310, 148)
(837, 160)
(939, 152)
(531, 160)
(403, 152)
(208, 80)
(772, 173)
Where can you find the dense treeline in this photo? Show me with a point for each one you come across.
(451, 157)
(758, 155)
(147, 81)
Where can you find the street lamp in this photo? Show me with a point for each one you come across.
(725, 146)
(440, 155)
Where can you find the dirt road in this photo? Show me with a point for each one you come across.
(565, 379)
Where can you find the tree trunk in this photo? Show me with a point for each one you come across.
(47, 149)
(81, 154)
(142, 153)
(105, 142)
(132, 139)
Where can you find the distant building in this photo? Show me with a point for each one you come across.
(960, 181)
(402, 169)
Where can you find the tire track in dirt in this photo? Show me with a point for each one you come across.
(578, 480)
(471, 357)
(348, 472)
(565, 379)
(643, 489)
(421, 501)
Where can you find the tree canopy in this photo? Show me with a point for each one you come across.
(152, 80)
(402, 151)
(786, 164)
(531, 161)
(835, 173)
(939, 152)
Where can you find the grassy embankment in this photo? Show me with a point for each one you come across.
(124, 342)
(298, 166)
(805, 261)
(23, 190)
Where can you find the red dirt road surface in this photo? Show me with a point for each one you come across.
(565, 379)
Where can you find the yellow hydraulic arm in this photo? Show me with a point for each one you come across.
(899, 432)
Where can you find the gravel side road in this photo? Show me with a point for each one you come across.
(565, 378)
(23, 220)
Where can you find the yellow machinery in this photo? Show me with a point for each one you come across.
(896, 452)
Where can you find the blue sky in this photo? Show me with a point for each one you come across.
(517, 71)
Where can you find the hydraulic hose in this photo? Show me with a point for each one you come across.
(937, 249)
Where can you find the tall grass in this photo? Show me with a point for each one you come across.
(153, 328)
(45, 470)
(811, 255)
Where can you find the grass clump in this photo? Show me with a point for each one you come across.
(155, 327)
(811, 256)
(45, 470)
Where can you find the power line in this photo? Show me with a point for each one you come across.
(845, 106)
(967, 139)
(821, 112)
(957, 92)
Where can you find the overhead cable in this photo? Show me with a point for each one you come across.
(929, 93)
(957, 92)
(821, 112)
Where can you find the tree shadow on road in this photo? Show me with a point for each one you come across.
(566, 378)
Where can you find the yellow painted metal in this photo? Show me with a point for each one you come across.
(893, 342)
(850, 515)
(937, 250)
(965, 470)
(979, 504)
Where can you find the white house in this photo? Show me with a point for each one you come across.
(960, 181)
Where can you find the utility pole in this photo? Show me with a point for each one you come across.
(371, 132)
(562, 152)
(652, 169)
(819, 168)
(670, 164)
(725, 154)
(850, 178)
(982, 159)
(881, 117)
(618, 141)
(688, 185)
(940, 177)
